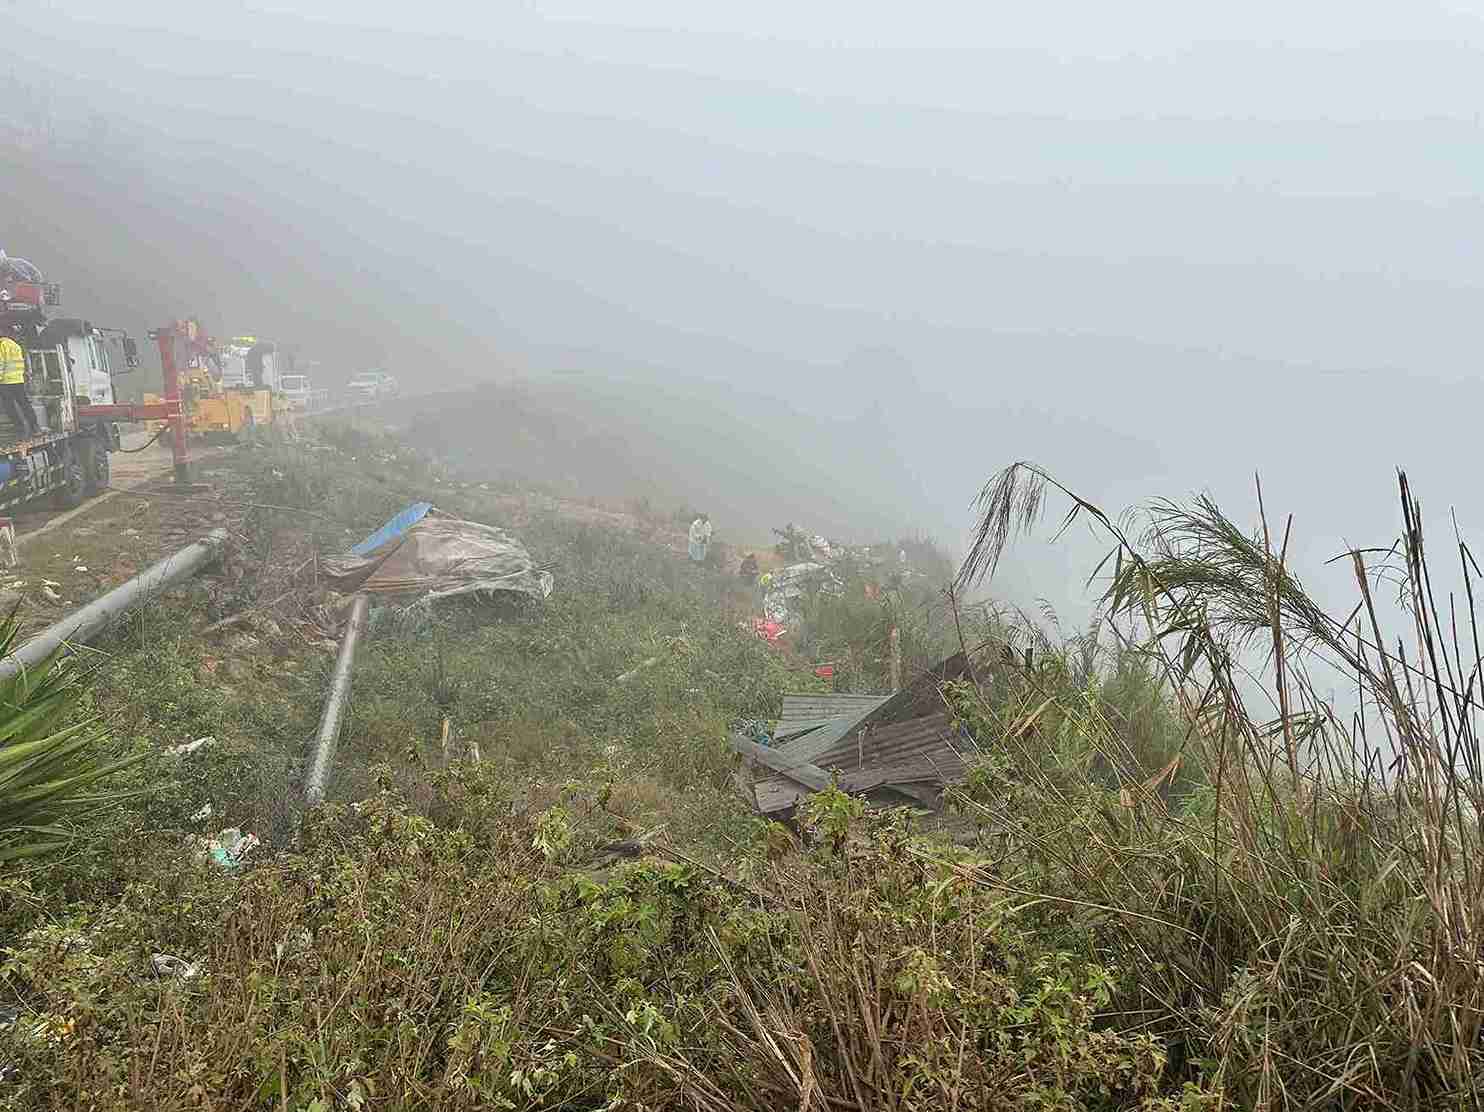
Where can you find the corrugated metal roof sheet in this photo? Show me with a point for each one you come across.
(819, 707)
(885, 744)
(822, 740)
(875, 741)
(926, 750)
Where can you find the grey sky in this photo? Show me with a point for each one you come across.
(1154, 247)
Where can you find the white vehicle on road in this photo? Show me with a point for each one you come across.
(295, 390)
(371, 386)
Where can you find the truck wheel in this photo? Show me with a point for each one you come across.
(70, 495)
(95, 468)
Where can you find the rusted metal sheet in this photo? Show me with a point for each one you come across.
(884, 744)
(928, 750)
(908, 740)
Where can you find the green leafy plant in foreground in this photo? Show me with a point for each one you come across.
(47, 769)
(395, 962)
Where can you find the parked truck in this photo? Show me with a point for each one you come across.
(70, 367)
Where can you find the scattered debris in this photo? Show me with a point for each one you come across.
(168, 965)
(190, 747)
(204, 813)
(433, 555)
(230, 846)
(755, 730)
(783, 590)
(50, 595)
(769, 630)
(892, 749)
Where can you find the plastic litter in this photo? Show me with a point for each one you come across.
(191, 746)
(168, 965)
(785, 588)
(755, 729)
(230, 846)
(14, 269)
(431, 555)
(769, 630)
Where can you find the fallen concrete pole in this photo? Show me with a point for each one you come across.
(85, 624)
(339, 696)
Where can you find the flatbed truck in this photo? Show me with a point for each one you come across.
(70, 366)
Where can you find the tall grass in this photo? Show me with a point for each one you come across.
(1304, 931)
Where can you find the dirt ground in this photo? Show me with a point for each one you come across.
(67, 558)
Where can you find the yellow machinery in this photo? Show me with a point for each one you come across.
(215, 410)
(229, 412)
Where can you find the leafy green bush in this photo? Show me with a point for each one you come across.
(395, 962)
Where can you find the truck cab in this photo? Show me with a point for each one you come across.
(97, 356)
(69, 364)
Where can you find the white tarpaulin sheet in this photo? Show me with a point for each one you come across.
(786, 587)
(436, 556)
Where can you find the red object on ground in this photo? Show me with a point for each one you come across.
(769, 630)
(825, 671)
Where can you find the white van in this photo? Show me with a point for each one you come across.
(371, 386)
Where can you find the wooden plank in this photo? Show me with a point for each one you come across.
(800, 772)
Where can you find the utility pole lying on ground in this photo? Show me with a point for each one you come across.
(85, 624)
(335, 704)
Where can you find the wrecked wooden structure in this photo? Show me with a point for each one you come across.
(894, 750)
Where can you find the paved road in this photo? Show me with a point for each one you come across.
(127, 470)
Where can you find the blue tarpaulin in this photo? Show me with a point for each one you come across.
(393, 528)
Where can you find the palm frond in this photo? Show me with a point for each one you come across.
(47, 765)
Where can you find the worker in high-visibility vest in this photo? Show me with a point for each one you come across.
(13, 387)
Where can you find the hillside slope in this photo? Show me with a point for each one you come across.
(753, 464)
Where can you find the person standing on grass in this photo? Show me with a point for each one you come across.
(13, 387)
(700, 538)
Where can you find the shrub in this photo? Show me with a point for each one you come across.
(396, 962)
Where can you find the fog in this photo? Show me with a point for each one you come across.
(1155, 247)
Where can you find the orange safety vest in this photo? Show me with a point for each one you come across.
(12, 362)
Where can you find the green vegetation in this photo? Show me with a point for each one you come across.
(49, 767)
(536, 887)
